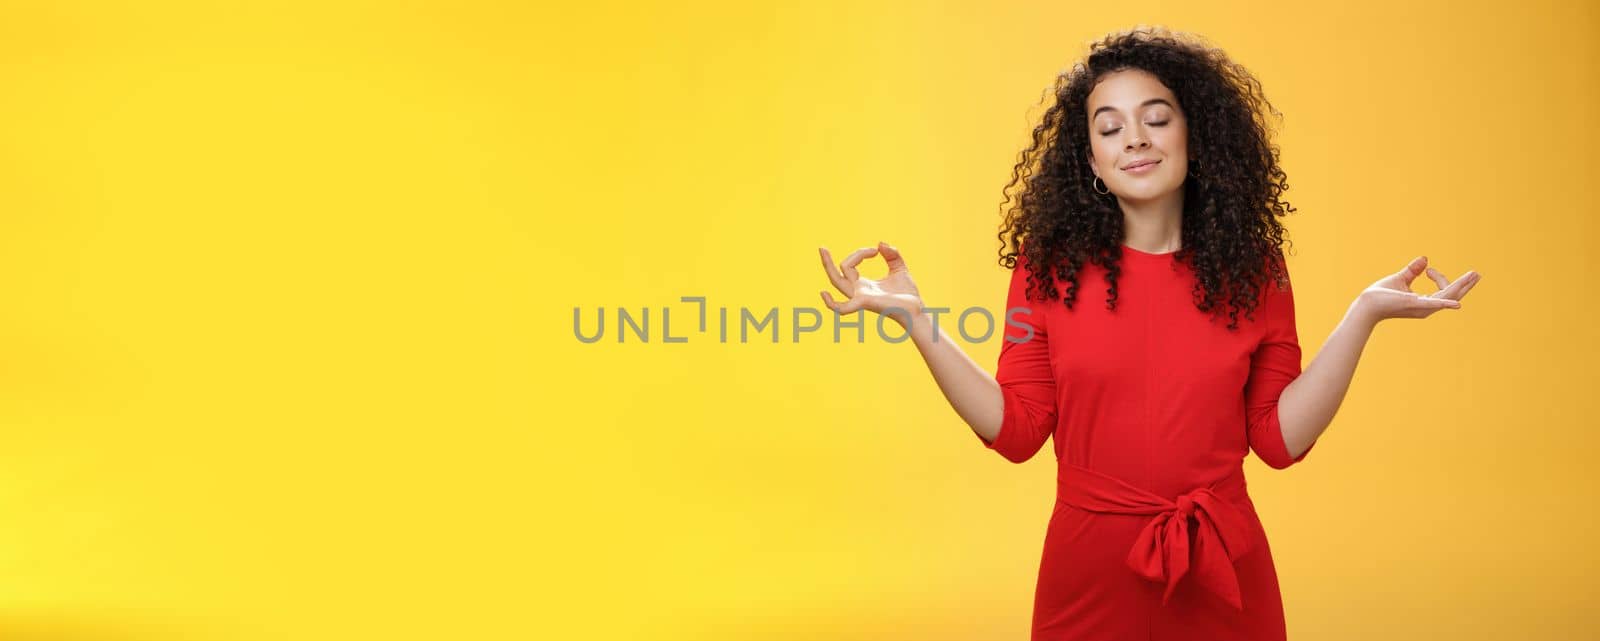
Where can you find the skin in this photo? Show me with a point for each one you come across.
(1135, 117)
(1124, 126)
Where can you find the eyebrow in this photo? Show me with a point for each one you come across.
(1152, 101)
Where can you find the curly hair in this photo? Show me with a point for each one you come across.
(1231, 235)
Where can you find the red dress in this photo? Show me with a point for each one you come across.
(1154, 406)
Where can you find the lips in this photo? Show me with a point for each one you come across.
(1139, 163)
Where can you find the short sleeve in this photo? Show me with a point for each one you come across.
(1027, 384)
(1273, 365)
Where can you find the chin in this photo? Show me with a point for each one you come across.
(1145, 192)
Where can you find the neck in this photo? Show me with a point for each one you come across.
(1154, 226)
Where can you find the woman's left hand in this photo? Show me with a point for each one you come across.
(1392, 297)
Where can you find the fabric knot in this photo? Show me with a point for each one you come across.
(1200, 533)
(1185, 506)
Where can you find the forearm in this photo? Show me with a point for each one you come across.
(1308, 404)
(971, 391)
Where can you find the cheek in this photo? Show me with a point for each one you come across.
(1175, 140)
(1105, 152)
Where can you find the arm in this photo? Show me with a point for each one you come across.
(1012, 412)
(1275, 419)
(1308, 403)
(971, 391)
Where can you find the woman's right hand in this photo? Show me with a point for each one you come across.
(972, 391)
(894, 291)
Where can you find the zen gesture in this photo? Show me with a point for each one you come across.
(1392, 297)
(895, 290)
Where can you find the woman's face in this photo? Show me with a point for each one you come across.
(1133, 118)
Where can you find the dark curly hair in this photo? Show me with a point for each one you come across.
(1231, 235)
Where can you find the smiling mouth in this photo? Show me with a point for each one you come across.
(1142, 166)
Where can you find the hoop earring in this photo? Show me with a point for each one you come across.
(1097, 184)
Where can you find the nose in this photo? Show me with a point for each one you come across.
(1138, 140)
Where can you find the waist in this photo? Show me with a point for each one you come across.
(1201, 527)
(1095, 491)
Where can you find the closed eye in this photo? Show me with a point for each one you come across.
(1153, 124)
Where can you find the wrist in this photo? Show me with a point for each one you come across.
(1362, 315)
(907, 316)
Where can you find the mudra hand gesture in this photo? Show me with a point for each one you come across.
(1392, 297)
(896, 290)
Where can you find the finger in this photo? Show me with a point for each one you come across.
(855, 258)
(1459, 288)
(848, 307)
(1431, 303)
(892, 256)
(1438, 278)
(1470, 284)
(1413, 270)
(833, 270)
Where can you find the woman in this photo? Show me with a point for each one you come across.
(1153, 175)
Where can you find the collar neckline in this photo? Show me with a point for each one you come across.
(1129, 251)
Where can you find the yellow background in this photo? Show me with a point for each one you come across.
(287, 348)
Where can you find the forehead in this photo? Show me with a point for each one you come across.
(1126, 91)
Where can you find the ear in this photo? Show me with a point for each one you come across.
(1090, 158)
